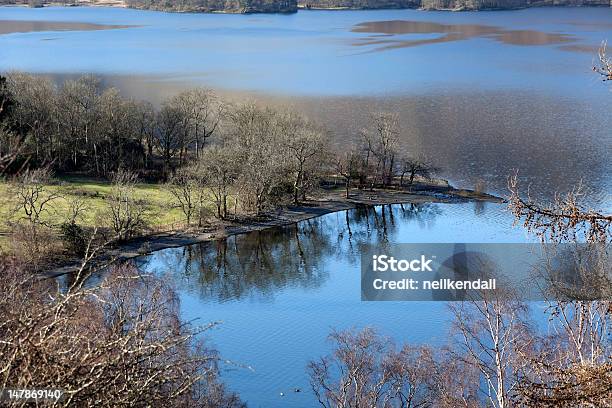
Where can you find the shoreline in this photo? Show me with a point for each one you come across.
(331, 202)
(300, 7)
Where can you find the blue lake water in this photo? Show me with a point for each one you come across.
(279, 293)
(480, 93)
(317, 52)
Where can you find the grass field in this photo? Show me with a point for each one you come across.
(161, 212)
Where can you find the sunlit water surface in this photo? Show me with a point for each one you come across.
(481, 93)
(280, 292)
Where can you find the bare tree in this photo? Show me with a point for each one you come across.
(73, 235)
(567, 387)
(120, 132)
(455, 382)
(256, 135)
(169, 133)
(572, 366)
(220, 169)
(6, 99)
(33, 112)
(304, 145)
(80, 125)
(415, 166)
(120, 342)
(563, 219)
(366, 370)
(77, 207)
(32, 234)
(347, 165)
(490, 332)
(126, 212)
(186, 188)
(13, 152)
(360, 381)
(605, 63)
(382, 141)
(33, 196)
(202, 112)
(145, 122)
(77, 110)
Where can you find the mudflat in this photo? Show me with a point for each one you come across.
(17, 26)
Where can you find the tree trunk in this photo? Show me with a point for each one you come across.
(390, 175)
(97, 161)
(150, 149)
(224, 207)
(296, 189)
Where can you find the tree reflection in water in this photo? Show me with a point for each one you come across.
(261, 263)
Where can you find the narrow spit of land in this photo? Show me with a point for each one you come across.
(331, 201)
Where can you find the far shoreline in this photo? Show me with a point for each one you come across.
(120, 4)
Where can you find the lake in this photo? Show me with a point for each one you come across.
(279, 293)
(481, 93)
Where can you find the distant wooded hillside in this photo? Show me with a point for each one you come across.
(291, 6)
(446, 4)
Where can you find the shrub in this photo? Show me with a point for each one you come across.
(120, 343)
(73, 238)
